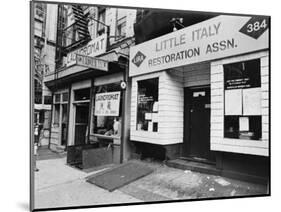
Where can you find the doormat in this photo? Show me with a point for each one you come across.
(119, 176)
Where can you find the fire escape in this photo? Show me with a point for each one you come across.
(71, 37)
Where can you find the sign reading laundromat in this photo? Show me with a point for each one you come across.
(219, 37)
(107, 104)
(93, 48)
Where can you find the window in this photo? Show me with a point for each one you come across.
(56, 114)
(65, 97)
(82, 94)
(38, 28)
(121, 28)
(101, 18)
(57, 98)
(107, 110)
(47, 100)
(147, 107)
(242, 112)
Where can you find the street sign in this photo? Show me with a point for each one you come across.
(91, 62)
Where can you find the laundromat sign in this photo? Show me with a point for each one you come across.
(93, 48)
(215, 38)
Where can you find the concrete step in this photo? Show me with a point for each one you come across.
(194, 166)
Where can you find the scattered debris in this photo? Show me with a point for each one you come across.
(222, 182)
(211, 189)
(233, 192)
(187, 171)
(208, 177)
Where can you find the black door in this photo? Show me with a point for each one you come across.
(81, 123)
(197, 123)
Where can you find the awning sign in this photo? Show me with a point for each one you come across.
(91, 62)
(93, 48)
(107, 104)
(219, 37)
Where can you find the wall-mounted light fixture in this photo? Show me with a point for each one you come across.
(177, 23)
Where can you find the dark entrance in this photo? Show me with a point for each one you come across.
(81, 123)
(197, 124)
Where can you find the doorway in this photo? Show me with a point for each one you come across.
(81, 123)
(197, 110)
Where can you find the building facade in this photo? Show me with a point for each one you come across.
(176, 86)
(89, 103)
(200, 92)
(44, 62)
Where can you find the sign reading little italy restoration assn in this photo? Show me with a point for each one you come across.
(219, 37)
(107, 104)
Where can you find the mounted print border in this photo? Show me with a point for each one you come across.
(159, 105)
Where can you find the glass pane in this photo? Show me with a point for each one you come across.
(242, 74)
(47, 100)
(242, 127)
(65, 97)
(82, 94)
(57, 98)
(147, 109)
(107, 125)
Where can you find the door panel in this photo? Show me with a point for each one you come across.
(81, 123)
(197, 123)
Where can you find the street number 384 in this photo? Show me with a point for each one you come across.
(256, 26)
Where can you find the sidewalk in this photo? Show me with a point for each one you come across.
(59, 185)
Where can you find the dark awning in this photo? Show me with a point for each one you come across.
(157, 22)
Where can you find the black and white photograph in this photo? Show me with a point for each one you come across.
(137, 105)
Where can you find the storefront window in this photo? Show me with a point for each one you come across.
(147, 108)
(242, 114)
(107, 110)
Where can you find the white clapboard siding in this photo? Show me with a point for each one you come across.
(218, 142)
(170, 109)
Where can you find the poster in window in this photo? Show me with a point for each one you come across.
(243, 124)
(252, 101)
(233, 102)
(107, 104)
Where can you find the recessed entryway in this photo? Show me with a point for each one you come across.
(197, 124)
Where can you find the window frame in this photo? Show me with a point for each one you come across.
(239, 135)
(151, 112)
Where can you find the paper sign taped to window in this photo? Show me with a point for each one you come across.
(150, 126)
(233, 102)
(148, 116)
(243, 123)
(154, 117)
(252, 101)
(155, 107)
(107, 104)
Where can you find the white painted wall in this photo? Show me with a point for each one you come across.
(218, 142)
(170, 112)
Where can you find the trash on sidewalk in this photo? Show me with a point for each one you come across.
(211, 189)
(187, 171)
(222, 182)
(233, 192)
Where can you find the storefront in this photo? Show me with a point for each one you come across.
(87, 104)
(202, 92)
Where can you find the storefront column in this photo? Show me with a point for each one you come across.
(124, 148)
